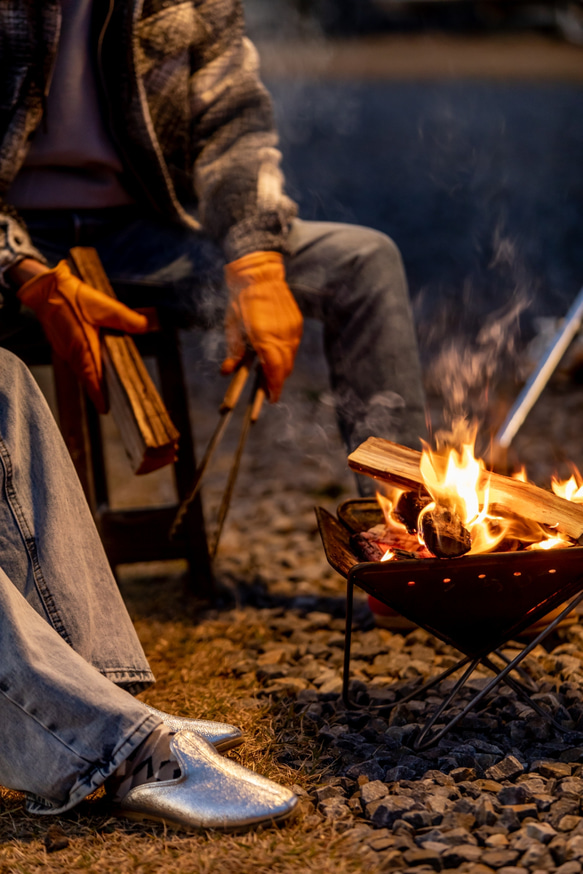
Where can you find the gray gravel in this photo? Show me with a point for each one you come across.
(502, 791)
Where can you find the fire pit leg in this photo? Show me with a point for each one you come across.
(501, 675)
(526, 681)
(347, 644)
(419, 745)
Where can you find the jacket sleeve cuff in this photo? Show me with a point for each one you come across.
(266, 233)
(15, 244)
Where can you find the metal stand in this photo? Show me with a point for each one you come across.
(523, 688)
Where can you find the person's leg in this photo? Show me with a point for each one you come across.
(49, 547)
(64, 631)
(65, 730)
(352, 278)
(64, 727)
(51, 551)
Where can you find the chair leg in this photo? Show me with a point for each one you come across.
(72, 408)
(81, 431)
(175, 395)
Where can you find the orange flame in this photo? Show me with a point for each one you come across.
(520, 475)
(387, 504)
(456, 479)
(551, 543)
(571, 488)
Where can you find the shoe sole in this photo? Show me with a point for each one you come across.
(135, 816)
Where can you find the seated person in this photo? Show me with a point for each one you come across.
(151, 137)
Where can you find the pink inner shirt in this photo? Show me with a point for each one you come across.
(74, 162)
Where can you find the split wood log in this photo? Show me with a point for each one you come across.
(399, 465)
(148, 435)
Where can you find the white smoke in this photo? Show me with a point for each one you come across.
(466, 369)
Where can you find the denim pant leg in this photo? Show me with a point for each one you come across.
(64, 727)
(49, 547)
(65, 634)
(352, 278)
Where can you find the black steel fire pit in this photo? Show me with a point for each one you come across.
(476, 603)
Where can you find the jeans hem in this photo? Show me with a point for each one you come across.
(131, 680)
(98, 774)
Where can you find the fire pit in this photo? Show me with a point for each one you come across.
(476, 603)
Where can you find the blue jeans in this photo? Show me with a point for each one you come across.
(69, 655)
(350, 278)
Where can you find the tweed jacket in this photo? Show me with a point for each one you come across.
(185, 106)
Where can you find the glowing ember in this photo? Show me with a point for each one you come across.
(551, 543)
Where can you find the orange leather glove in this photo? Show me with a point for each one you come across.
(262, 311)
(71, 314)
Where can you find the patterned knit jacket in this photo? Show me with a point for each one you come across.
(186, 108)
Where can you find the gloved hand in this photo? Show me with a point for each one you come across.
(71, 314)
(262, 311)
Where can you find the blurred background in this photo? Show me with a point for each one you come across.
(349, 17)
(456, 128)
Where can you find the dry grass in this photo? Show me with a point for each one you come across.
(193, 658)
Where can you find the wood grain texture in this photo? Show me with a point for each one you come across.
(148, 434)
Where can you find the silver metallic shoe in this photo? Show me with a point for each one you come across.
(212, 792)
(220, 734)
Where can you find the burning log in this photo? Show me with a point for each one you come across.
(382, 543)
(367, 548)
(444, 534)
(399, 465)
(366, 545)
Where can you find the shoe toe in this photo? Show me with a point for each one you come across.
(212, 792)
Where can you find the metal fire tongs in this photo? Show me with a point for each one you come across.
(541, 374)
(252, 411)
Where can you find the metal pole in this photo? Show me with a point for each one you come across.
(541, 375)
